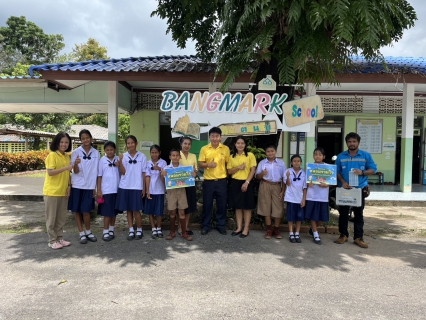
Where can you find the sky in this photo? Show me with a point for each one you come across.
(127, 30)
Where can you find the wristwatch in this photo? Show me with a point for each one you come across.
(363, 173)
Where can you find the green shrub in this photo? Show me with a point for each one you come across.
(22, 161)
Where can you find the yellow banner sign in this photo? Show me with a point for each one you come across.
(248, 128)
(303, 111)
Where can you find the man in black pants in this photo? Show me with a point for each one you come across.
(358, 164)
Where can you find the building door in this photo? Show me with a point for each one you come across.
(330, 136)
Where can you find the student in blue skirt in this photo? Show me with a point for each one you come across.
(85, 161)
(317, 209)
(295, 196)
(131, 189)
(108, 179)
(155, 190)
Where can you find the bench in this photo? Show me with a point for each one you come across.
(380, 177)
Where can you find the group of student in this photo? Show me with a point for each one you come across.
(131, 183)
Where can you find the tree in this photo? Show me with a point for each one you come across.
(294, 40)
(91, 50)
(25, 37)
(19, 70)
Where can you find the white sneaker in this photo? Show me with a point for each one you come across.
(56, 245)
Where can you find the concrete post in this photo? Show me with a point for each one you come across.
(112, 110)
(407, 137)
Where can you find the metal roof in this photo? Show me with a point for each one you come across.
(415, 65)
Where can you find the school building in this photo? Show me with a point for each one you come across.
(387, 107)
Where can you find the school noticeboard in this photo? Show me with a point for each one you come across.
(321, 173)
(179, 177)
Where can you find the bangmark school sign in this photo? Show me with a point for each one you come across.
(215, 109)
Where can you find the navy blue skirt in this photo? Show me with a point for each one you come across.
(295, 212)
(155, 206)
(317, 211)
(191, 198)
(129, 200)
(107, 209)
(81, 200)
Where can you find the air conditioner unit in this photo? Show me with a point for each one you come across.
(416, 132)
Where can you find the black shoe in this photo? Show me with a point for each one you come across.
(111, 234)
(292, 239)
(242, 235)
(106, 237)
(131, 236)
(189, 232)
(91, 239)
(317, 240)
(311, 232)
(222, 231)
(139, 235)
(235, 233)
(204, 232)
(297, 238)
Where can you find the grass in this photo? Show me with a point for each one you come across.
(22, 228)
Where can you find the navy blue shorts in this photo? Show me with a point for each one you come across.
(81, 200)
(155, 206)
(317, 211)
(129, 200)
(295, 212)
(107, 209)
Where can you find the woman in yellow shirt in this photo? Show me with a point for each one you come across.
(242, 166)
(188, 159)
(56, 189)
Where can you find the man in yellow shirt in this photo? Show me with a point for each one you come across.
(213, 159)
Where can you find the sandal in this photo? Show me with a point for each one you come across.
(187, 237)
(139, 235)
(171, 236)
(111, 234)
(106, 237)
(131, 236)
(297, 238)
(83, 239)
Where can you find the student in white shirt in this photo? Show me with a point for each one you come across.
(85, 161)
(131, 189)
(155, 190)
(108, 179)
(295, 196)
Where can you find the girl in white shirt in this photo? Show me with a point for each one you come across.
(295, 196)
(155, 190)
(108, 179)
(317, 209)
(131, 189)
(85, 161)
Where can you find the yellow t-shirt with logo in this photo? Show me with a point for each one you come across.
(237, 160)
(220, 155)
(190, 161)
(56, 186)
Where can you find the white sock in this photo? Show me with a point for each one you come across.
(139, 230)
(106, 231)
(316, 234)
(296, 234)
(131, 229)
(291, 233)
(82, 233)
(88, 231)
(154, 229)
(159, 229)
(111, 228)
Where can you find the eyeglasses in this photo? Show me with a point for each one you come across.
(133, 160)
(298, 177)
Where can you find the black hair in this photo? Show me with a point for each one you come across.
(54, 146)
(85, 131)
(182, 139)
(133, 138)
(351, 135)
(234, 148)
(174, 150)
(294, 156)
(215, 130)
(110, 144)
(320, 150)
(154, 146)
(273, 146)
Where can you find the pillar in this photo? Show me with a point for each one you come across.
(407, 137)
(310, 143)
(112, 110)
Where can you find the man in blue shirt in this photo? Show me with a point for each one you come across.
(361, 164)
